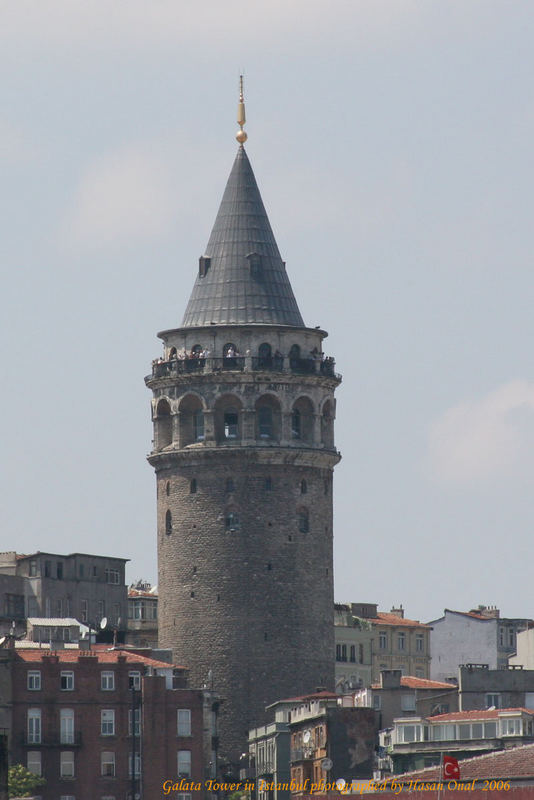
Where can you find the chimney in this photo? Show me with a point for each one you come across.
(398, 612)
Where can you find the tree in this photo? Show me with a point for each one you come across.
(22, 782)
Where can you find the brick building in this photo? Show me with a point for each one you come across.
(243, 410)
(86, 719)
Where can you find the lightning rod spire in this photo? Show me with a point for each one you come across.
(241, 135)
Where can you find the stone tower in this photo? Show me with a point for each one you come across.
(243, 410)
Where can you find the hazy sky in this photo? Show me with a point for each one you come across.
(392, 142)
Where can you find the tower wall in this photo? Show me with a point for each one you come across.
(245, 517)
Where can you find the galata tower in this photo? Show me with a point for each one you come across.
(243, 410)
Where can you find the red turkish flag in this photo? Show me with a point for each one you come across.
(451, 768)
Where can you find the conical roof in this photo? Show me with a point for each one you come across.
(242, 279)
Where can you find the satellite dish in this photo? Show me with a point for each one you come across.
(2, 640)
(306, 736)
(327, 764)
(119, 622)
(103, 623)
(340, 784)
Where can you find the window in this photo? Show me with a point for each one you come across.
(95, 572)
(137, 725)
(48, 569)
(232, 522)
(419, 672)
(184, 722)
(134, 680)
(34, 762)
(501, 637)
(184, 763)
(511, 637)
(303, 487)
(343, 652)
(107, 681)
(34, 680)
(168, 523)
(360, 653)
(511, 727)
(193, 486)
(353, 653)
(101, 609)
(490, 730)
(59, 608)
(493, 699)
(268, 484)
(338, 652)
(112, 576)
(107, 722)
(34, 726)
(139, 609)
(107, 761)
(81, 570)
(14, 605)
(47, 608)
(84, 609)
(59, 570)
(66, 726)
(295, 424)
(419, 642)
(265, 422)
(67, 681)
(230, 485)
(382, 640)
(303, 521)
(198, 425)
(66, 764)
(377, 701)
(408, 702)
(137, 763)
(401, 641)
(33, 569)
(231, 423)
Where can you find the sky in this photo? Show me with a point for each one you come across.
(392, 143)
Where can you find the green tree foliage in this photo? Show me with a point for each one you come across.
(23, 783)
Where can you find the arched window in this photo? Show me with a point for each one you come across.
(265, 360)
(265, 422)
(327, 425)
(231, 423)
(303, 520)
(172, 353)
(191, 420)
(198, 425)
(295, 424)
(193, 486)
(168, 523)
(232, 521)
(303, 487)
(294, 356)
(163, 425)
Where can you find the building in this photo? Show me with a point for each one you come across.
(243, 410)
(397, 642)
(92, 721)
(524, 654)
(354, 637)
(268, 754)
(419, 742)
(397, 695)
(479, 636)
(330, 740)
(142, 615)
(480, 687)
(86, 587)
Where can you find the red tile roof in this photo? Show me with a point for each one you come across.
(517, 762)
(485, 713)
(383, 618)
(411, 682)
(102, 656)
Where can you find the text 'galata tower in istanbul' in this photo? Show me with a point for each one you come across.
(243, 410)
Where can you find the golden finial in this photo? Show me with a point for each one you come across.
(241, 135)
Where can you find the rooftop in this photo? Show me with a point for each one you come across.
(103, 656)
(517, 762)
(411, 682)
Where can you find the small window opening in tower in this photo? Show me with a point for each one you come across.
(269, 566)
(268, 484)
(265, 360)
(168, 489)
(168, 523)
(265, 422)
(295, 424)
(198, 425)
(304, 521)
(294, 356)
(303, 487)
(230, 485)
(193, 486)
(232, 522)
(230, 423)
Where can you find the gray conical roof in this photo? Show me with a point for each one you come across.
(246, 280)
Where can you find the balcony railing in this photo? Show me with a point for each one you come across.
(239, 363)
(53, 740)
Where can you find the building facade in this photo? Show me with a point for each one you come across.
(479, 636)
(100, 724)
(243, 410)
(142, 628)
(354, 638)
(480, 687)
